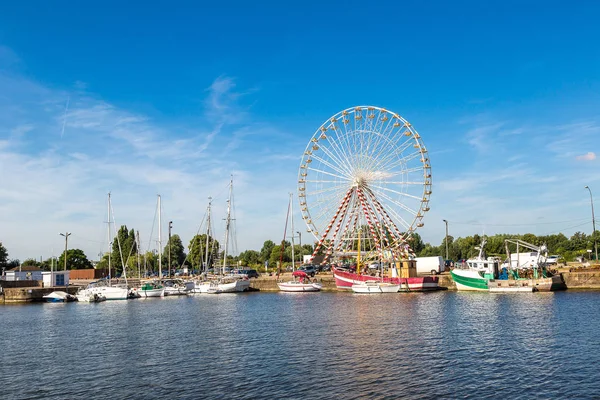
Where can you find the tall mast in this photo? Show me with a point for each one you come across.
(207, 235)
(159, 240)
(292, 217)
(138, 255)
(109, 249)
(227, 222)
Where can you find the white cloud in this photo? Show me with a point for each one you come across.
(53, 185)
(589, 156)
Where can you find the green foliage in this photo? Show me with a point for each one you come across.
(31, 262)
(76, 259)
(174, 246)
(464, 248)
(265, 252)
(250, 258)
(128, 248)
(416, 243)
(46, 265)
(276, 255)
(197, 251)
(3, 255)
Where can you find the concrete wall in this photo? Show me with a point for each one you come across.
(582, 279)
(20, 284)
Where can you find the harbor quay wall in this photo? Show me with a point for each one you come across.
(20, 284)
(30, 294)
(583, 279)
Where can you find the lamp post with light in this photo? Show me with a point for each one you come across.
(66, 235)
(446, 222)
(593, 222)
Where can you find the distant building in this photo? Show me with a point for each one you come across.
(24, 273)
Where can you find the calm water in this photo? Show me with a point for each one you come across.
(309, 346)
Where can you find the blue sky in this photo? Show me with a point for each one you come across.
(173, 97)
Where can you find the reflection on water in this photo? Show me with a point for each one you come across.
(305, 345)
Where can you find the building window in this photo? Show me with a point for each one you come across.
(60, 280)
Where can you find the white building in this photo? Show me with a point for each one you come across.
(24, 273)
(55, 278)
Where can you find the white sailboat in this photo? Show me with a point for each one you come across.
(104, 288)
(303, 283)
(230, 283)
(151, 289)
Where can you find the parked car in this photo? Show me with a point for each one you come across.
(310, 270)
(552, 259)
(250, 273)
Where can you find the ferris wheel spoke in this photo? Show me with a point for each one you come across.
(402, 161)
(338, 158)
(383, 190)
(318, 172)
(401, 205)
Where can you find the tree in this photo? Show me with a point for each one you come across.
(276, 255)
(250, 257)
(175, 247)
(76, 259)
(265, 252)
(197, 251)
(123, 248)
(47, 264)
(416, 243)
(3, 255)
(31, 262)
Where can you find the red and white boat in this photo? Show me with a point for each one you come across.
(303, 284)
(345, 279)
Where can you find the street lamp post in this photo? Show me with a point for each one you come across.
(66, 235)
(593, 222)
(300, 241)
(446, 222)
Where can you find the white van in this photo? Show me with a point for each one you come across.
(430, 265)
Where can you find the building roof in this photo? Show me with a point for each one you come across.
(26, 268)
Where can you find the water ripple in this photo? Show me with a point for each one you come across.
(298, 346)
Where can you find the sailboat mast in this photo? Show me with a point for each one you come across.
(138, 255)
(207, 235)
(227, 222)
(109, 249)
(293, 232)
(159, 240)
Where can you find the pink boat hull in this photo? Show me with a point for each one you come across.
(344, 280)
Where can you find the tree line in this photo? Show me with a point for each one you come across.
(203, 252)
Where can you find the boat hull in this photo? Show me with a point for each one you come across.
(214, 287)
(299, 287)
(469, 280)
(345, 280)
(240, 285)
(108, 292)
(375, 287)
(151, 293)
(59, 297)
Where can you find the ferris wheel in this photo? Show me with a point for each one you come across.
(364, 183)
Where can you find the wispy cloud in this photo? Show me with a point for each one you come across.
(53, 184)
(589, 156)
